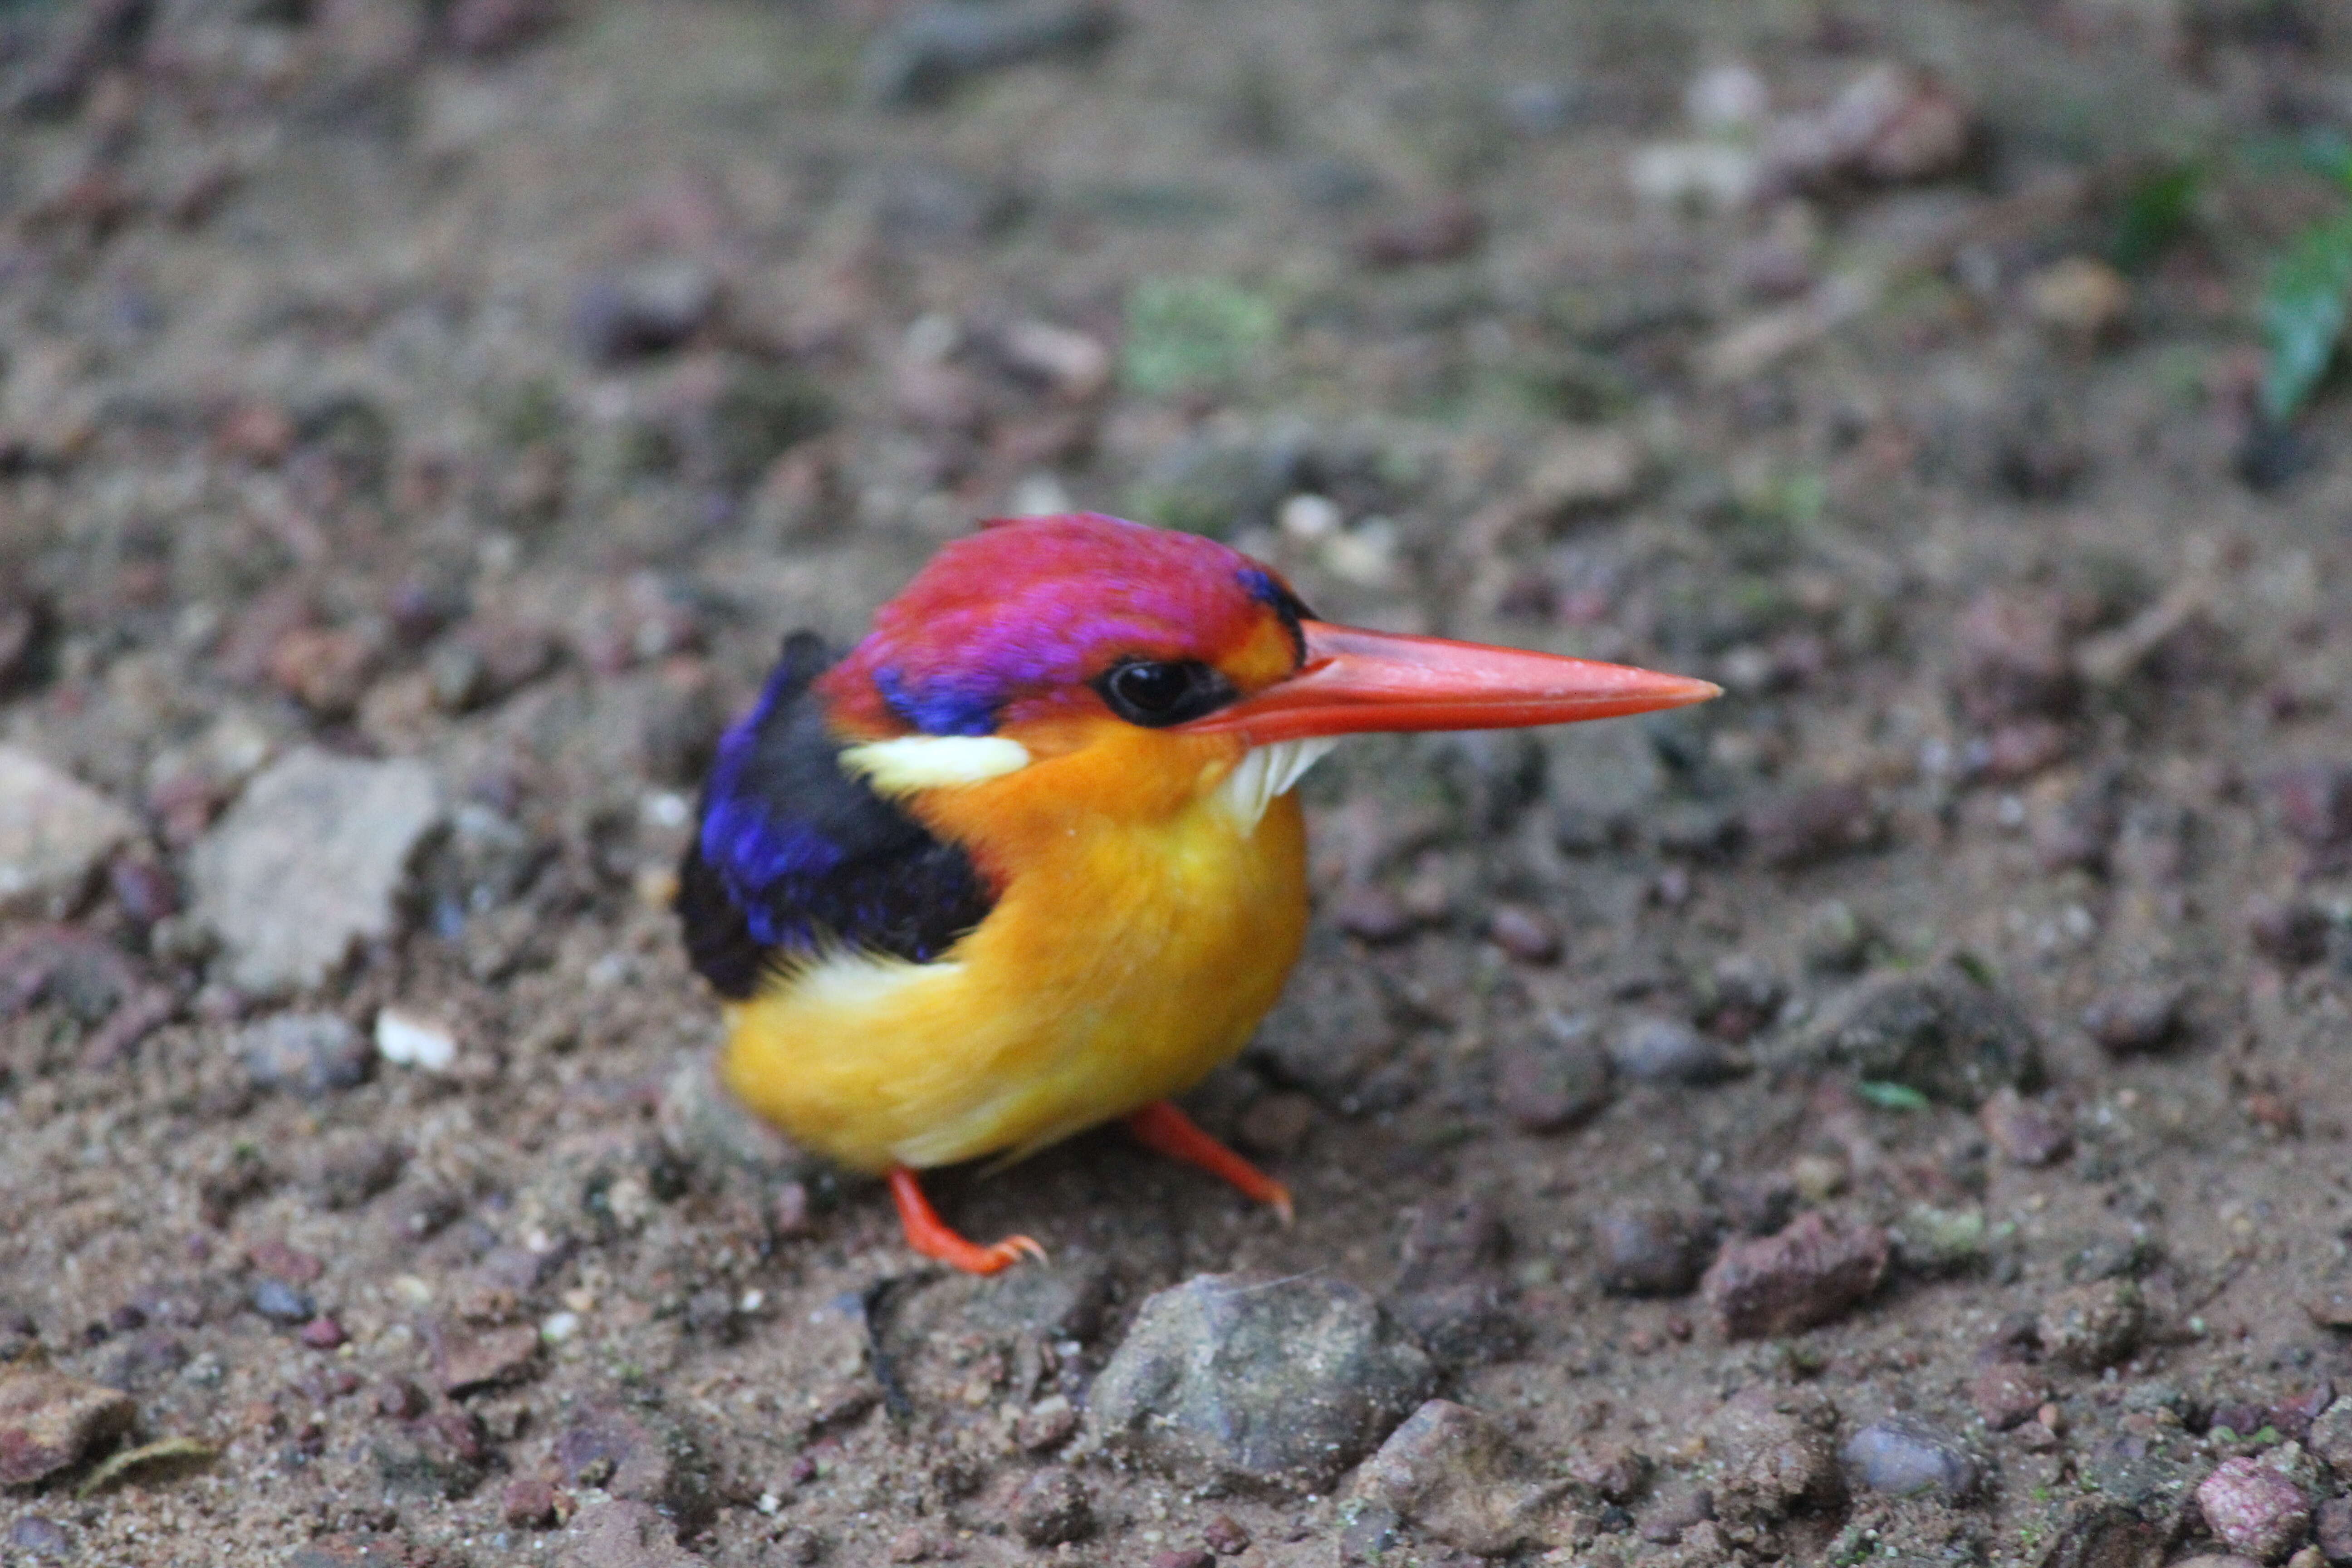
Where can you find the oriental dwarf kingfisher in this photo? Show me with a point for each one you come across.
(1027, 859)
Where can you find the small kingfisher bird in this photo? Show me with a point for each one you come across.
(1027, 859)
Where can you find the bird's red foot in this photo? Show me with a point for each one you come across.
(927, 1233)
(1165, 1129)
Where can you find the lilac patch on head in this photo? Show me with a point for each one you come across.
(942, 708)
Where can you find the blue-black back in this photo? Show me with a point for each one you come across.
(793, 855)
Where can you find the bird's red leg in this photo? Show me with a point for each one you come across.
(927, 1233)
(1162, 1127)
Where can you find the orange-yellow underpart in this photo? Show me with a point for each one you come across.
(1140, 934)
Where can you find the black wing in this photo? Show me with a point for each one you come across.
(792, 853)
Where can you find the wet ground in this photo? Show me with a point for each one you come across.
(1894, 1112)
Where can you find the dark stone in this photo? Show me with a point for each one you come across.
(1451, 1292)
(1815, 826)
(1647, 1250)
(2106, 1534)
(1053, 1508)
(1552, 1085)
(436, 1456)
(2290, 933)
(467, 1360)
(2089, 1327)
(2135, 1018)
(1331, 1031)
(2333, 1528)
(348, 1172)
(2026, 1131)
(39, 1537)
(1944, 1034)
(528, 1503)
(629, 315)
(2315, 802)
(281, 1303)
(1816, 1270)
(1908, 1457)
(642, 1455)
(1779, 1453)
(1252, 1380)
(2015, 658)
(144, 1361)
(927, 48)
(309, 1055)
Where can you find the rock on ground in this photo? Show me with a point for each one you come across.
(1459, 1480)
(1252, 1380)
(54, 832)
(1943, 1034)
(49, 1421)
(310, 862)
(1811, 1272)
(623, 1533)
(1908, 1457)
(309, 1055)
(2092, 1326)
(2255, 1509)
(1778, 1450)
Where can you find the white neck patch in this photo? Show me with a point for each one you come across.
(1267, 773)
(912, 763)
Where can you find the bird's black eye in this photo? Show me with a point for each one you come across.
(1156, 694)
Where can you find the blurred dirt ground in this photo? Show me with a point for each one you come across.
(1896, 1112)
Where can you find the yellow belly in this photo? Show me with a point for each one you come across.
(1122, 964)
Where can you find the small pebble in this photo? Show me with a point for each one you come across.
(281, 1303)
(2134, 1018)
(1907, 1457)
(1278, 1123)
(37, 1536)
(2088, 1327)
(1817, 824)
(2254, 1509)
(1648, 1251)
(2333, 1530)
(323, 1333)
(2027, 1132)
(1667, 1050)
(1445, 230)
(2315, 802)
(309, 1055)
(2290, 933)
(1528, 935)
(1053, 1508)
(1371, 913)
(408, 1041)
(1224, 1535)
(1545, 1087)
(528, 1504)
(1816, 1270)
(2006, 1394)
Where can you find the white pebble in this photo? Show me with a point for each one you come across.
(411, 1043)
(1308, 518)
(560, 1327)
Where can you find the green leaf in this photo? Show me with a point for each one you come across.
(1185, 333)
(2156, 209)
(1891, 1096)
(2303, 314)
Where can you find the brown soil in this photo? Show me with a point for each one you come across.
(600, 344)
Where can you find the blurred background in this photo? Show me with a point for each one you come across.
(421, 419)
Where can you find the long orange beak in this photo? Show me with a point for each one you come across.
(1353, 681)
